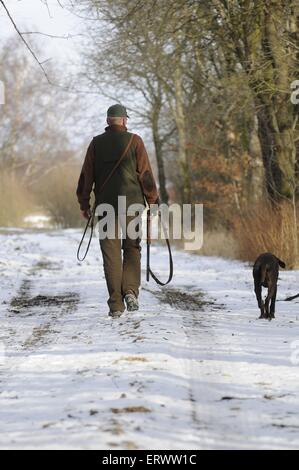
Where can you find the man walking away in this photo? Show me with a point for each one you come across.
(132, 179)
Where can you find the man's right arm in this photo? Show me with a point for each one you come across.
(145, 174)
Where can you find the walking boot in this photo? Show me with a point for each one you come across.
(115, 314)
(131, 302)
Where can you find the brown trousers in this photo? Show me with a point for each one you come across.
(122, 273)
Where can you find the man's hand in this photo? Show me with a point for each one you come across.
(86, 213)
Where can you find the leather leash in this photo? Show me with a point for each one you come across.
(149, 272)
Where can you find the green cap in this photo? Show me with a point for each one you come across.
(117, 110)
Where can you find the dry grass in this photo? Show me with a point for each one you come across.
(219, 242)
(268, 228)
(262, 228)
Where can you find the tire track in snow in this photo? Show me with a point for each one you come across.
(48, 310)
(33, 321)
(193, 307)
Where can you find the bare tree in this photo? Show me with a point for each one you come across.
(145, 52)
(36, 119)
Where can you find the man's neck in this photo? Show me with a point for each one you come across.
(115, 127)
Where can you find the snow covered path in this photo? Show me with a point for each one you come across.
(185, 372)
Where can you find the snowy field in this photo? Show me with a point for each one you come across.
(188, 371)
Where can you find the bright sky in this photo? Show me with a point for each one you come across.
(33, 15)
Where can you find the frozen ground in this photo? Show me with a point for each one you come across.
(186, 372)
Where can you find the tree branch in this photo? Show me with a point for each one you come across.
(67, 36)
(25, 42)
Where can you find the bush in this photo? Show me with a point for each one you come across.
(16, 201)
(270, 228)
(57, 194)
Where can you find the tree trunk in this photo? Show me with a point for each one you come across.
(159, 152)
(180, 120)
(256, 173)
(277, 139)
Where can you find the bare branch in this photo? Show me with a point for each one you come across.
(25, 42)
(67, 36)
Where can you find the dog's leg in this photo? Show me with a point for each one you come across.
(273, 299)
(258, 293)
(267, 311)
(263, 310)
(267, 301)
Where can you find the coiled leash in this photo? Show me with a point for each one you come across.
(149, 272)
(90, 220)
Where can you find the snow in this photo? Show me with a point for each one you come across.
(211, 377)
(37, 221)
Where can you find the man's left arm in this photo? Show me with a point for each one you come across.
(86, 181)
(145, 174)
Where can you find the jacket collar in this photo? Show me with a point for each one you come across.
(115, 127)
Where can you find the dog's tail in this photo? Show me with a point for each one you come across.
(281, 263)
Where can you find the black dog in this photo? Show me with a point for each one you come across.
(265, 273)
